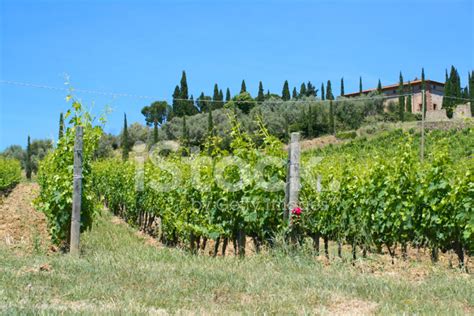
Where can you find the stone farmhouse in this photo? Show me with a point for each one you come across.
(434, 94)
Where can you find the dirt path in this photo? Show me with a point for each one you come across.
(20, 224)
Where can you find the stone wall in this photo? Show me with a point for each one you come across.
(462, 111)
(436, 115)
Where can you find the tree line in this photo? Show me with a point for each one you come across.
(316, 112)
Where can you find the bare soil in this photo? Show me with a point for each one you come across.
(21, 225)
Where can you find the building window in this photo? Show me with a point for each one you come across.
(435, 106)
(434, 87)
(419, 107)
(394, 91)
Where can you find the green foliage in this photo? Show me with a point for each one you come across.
(342, 86)
(346, 135)
(204, 102)
(331, 117)
(378, 193)
(15, 152)
(155, 114)
(55, 178)
(10, 173)
(243, 102)
(188, 194)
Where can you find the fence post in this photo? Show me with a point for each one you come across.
(77, 193)
(423, 102)
(293, 175)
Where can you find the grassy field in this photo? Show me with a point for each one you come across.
(119, 272)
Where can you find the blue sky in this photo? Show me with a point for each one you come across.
(141, 47)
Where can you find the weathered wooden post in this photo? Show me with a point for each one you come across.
(77, 193)
(293, 175)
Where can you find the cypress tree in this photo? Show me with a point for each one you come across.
(303, 90)
(215, 96)
(200, 102)
(61, 126)
(455, 84)
(401, 99)
(447, 92)
(423, 85)
(360, 85)
(452, 92)
(221, 96)
(260, 95)
(379, 87)
(310, 90)
(243, 88)
(186, 103)
(322, 92)
(227, 95)
(177, 104)
(125, 139)
(268, 94)
(285, 94)
(184, 87)
(329, 95)
(294, 94)
(342, 86)
(28, 165)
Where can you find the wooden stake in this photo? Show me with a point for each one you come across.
(293, 176)
(422, 149)
(77, 193)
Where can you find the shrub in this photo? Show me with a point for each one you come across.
(10, 173)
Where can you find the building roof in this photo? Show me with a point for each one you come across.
(392, 86)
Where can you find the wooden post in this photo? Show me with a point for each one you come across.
(422, 149)
(293, 176)
(77, 193)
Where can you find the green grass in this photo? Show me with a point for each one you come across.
(119, 273)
